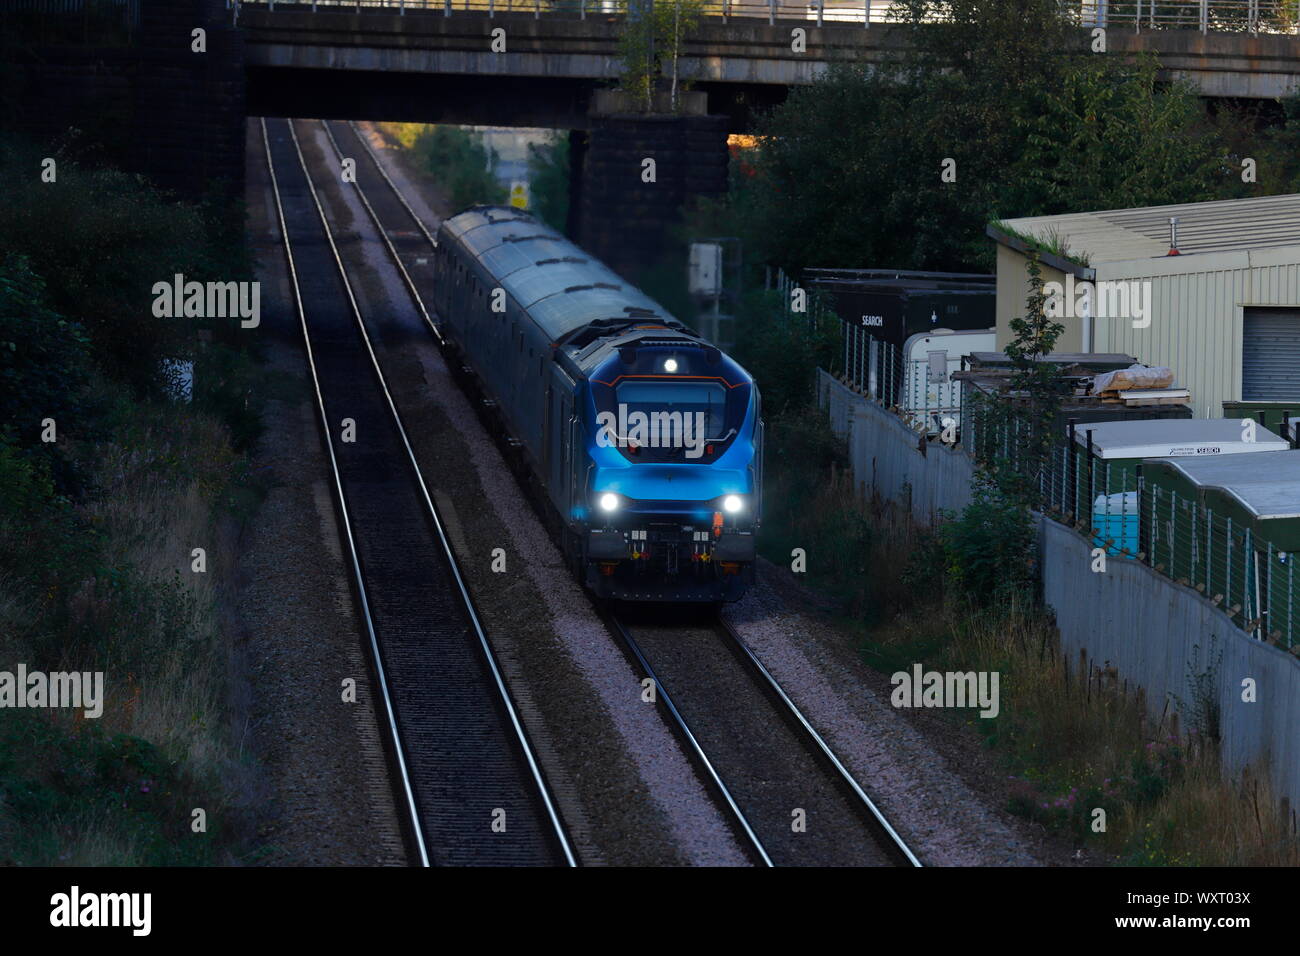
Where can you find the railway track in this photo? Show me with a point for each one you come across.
(468, 786)
(790, 799)
(756, 751)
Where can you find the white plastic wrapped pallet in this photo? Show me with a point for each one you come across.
(1135, 376)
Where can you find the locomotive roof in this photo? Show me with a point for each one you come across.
(561, 286)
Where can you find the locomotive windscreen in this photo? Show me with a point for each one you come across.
(707, 399)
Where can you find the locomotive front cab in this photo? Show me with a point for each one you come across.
(674, 485)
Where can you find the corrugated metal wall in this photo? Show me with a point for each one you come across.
(1196, 318)
(1270, 358)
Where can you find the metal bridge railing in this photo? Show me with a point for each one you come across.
(1207, 16)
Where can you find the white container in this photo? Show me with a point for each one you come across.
(1175, 438)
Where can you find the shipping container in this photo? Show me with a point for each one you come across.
(1230, 527)
(1274, 412)
(1106, 457)
(892, 306)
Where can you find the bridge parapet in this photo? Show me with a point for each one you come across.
(572, 42)
(1203, 16)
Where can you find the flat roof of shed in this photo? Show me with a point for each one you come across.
(1268, 486)
(1174, 438)
(1268, 499)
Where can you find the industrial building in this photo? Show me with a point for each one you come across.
(1211, 290)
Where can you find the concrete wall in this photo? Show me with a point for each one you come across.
(894, 461)
(1158, 634)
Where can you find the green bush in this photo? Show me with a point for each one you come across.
(461, 162)
(100, 239)
(548, 181)
(989, 547)
(783, 350)
(44, 358)
(226, 386)
(42, 538)
(57, 783)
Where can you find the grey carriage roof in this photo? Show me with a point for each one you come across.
(562, 287)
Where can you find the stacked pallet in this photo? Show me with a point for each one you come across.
(1139, 385)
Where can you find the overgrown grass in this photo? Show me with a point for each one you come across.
(98, 526)
(1068, 744)
(1075, 739)
(121, 789)
(1053, 242)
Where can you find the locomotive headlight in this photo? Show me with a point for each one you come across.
(732, 504)
(608, 502)
(670, 365)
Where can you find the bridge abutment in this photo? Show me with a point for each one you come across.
(636, 173)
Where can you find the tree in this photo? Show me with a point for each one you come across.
(548, 181)
(1109, 138)
(653, 33)
(1032, 414)
(1278, 154)
(990, 546)
(44, 358)
(852, 163)
(462, 163)
(100, 241)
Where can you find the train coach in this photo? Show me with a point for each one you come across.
(644, 440)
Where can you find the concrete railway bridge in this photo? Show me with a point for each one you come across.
(550, 63)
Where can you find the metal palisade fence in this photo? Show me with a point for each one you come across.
(923, 394)
(869, 365)
(1201, 538)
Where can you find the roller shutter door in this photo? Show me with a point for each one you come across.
(1270, 355)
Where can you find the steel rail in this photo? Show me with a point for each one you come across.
(684, 730)
(542, 790)
(503, 692)
(895, 843)
(692, 743)
(397, 192)
(408, 812)
(383, 233)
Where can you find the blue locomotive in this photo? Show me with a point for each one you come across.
(644, 440)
